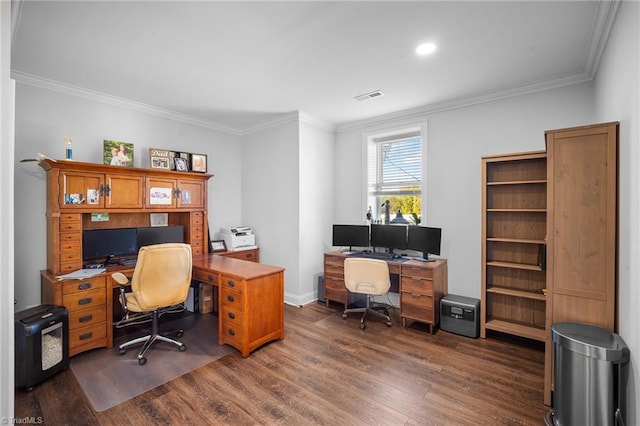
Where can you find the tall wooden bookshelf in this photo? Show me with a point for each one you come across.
(514, 226)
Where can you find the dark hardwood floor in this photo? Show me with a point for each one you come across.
(328, 371)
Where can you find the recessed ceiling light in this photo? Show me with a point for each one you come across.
(426, 49)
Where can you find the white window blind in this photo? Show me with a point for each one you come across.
(395, 165)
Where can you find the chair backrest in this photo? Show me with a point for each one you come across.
(162, 275)
(368, 276)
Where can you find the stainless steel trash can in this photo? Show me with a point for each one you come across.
(589, 383)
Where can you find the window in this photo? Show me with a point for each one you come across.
(394, 173)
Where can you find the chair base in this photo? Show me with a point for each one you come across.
(148, 340)
(368, 310)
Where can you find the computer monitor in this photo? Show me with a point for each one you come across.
(160, 234)
(105, 244)
(389, 237)
(424, 239)
(351, 236)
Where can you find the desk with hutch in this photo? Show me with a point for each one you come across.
(126, 194)
(422, 285)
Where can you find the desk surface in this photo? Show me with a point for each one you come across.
(409, 262)
(237, 268)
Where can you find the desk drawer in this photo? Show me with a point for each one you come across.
(85, 335)
(84, 300)
(334, 289)
(418, 285)
(205, 277)
(230, 298)
(232, 284)
(87, 317)
(231, 316)
(417, 272)
(78, 286)
(233, 332)
(417, 306)
(73, 226)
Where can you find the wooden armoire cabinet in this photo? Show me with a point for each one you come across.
(582, 195)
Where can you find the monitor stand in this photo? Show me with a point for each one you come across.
(425, 258)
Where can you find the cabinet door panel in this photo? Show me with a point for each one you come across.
(125, 192)
(160, 193)
(75, 187)
(191, 193)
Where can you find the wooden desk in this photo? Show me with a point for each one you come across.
(422, 285)
(251, 302)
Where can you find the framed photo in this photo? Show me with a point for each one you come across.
(159, 219)
(159, 159)
(181, 164)
(117, 153)
(199, 163)
(218, 246)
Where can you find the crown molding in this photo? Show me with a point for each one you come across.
(71, 90)
(424, 110)
(294, 116)
(602, 25)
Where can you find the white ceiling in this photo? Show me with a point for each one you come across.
(236, 65)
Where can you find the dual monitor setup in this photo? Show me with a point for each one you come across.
(121, 245)
(390, 237)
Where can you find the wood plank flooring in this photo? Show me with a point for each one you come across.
(325, 372)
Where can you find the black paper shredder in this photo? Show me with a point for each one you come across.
(41, 344)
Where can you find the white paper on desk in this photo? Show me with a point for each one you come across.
(81, 274)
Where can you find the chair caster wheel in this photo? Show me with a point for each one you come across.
(389, 324)
(386, 312)
(362, 326)
(142, 361)
(344, 316)
(182, 348)
(179, 334)
(122, 351)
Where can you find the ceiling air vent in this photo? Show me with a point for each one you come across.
(374, 94)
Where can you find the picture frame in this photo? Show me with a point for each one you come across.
(159, 159)
(181, 164)
(218, 246)
(116, 153)
(199, 163)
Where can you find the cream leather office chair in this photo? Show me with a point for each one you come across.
(369, 277)
(159, 285)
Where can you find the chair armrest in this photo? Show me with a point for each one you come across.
(122, 281)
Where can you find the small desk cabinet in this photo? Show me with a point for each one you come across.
(422, 285)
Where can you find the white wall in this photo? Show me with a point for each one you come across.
(44, 117)
(617, 95)
(316, 205)
(7, 349)
(456, 141)
(270, 197)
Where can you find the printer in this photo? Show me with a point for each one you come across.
(238, 238)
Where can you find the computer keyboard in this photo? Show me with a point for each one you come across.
(128, 262)
(381, 256)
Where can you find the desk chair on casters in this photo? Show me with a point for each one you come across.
(159, 285)
(369, 277)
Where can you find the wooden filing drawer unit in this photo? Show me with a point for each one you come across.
(70, 244)
(251, 311)
(196, 230)
(421, 288)
(334, 288)
(86, 303)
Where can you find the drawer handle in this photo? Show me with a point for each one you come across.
(85, 318)
(84, 286)
(249, 255)
(230, 283)
(230, 298)
(85, 301)
(210, 277)
(232, 315)
(86, 336)
(232, 332)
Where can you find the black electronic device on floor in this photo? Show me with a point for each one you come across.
(41, 344)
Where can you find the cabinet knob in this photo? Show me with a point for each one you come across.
(232, 332)
(232, 315)
(230, 298)
(230, 283)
